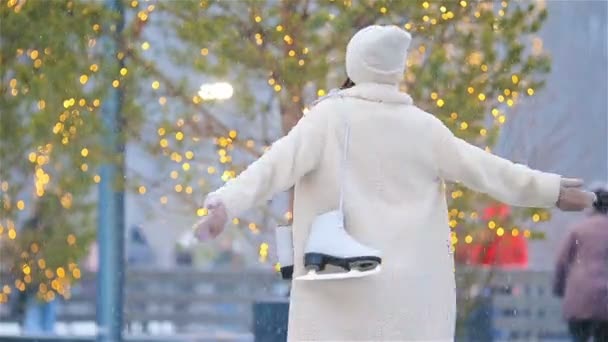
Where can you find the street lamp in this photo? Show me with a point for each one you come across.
(216, 91)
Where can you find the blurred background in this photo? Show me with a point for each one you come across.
(117, 117)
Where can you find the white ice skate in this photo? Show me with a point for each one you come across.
(329, 244)
(284, 242)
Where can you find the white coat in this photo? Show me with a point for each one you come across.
(394, 202)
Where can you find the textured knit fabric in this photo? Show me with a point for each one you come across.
(394, 202)
(377, 54)
(582, 270)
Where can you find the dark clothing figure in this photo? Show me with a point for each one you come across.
(37, 316)
(582, 278)
(139, 251)
(583, 330)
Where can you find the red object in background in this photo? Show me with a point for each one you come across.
(501, 251)
(507, 250)
(500, 211)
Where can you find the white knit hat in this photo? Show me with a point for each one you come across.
(377, 54)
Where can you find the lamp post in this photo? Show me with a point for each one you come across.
(110, 235)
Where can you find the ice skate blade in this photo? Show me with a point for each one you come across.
(312, 275)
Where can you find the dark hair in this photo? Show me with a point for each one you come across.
(601, 204)
(347, 84)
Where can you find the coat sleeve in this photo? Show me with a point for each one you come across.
(287, 160)
(564, 259)
(484, 172)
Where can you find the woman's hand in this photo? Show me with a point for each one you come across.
(572, 197)
(211, 225)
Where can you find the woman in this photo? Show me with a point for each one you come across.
(394, 199)
(582, 275)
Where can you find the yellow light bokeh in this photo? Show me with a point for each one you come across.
(26, 269)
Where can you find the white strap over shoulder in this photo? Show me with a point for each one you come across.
(338, 93)
(343, 164)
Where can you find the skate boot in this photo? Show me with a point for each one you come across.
(329, 244)
(284, 241)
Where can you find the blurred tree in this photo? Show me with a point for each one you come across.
(51, 90)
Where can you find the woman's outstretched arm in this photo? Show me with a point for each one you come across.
(288, 159)
(511, 183)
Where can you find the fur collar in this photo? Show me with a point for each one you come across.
(375, 92)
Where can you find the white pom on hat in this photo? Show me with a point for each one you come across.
(377, 54)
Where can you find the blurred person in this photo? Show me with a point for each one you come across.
(91, 261)
(227, 258)
(183, 256)
(139, 251)
(38, 315)
(581, 276)
(394, 200)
